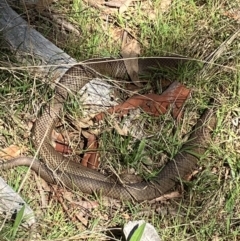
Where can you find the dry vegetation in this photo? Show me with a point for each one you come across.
(203, 30)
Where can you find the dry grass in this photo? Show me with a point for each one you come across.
(201, 30)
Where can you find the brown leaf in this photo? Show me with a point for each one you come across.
(215, 238)
(91, 157)
(60, 143)
(121, 131)
(85, 122)
(154, 104)
(131, 50)
(11, 152)
(167, 196)
(62, 148)
(121, 4)
(165, 5)
(233, 14)
(87, 204)
(114, 3)
(124, 6)
(43, 4)
(80, 216)
(57, 136)
(42, 187)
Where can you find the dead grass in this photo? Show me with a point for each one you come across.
(209, 206)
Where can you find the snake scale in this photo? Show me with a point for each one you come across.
(56, 168)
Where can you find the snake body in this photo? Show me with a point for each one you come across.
(57, 168)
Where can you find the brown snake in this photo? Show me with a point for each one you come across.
(57, 168)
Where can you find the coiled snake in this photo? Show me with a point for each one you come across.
(57, 168)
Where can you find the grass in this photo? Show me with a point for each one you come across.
(209, 206)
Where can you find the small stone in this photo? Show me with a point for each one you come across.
(149, 232)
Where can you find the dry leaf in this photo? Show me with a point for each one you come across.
(114, 3)
(42, 186)
(121, 131)
(84, 122)
(91, 157)
(124, 6)
(233, 14)
(43, 4)
(59, 143)
(131, 50)
(80, 216)
(56, 136)
(215, 238)
(87, 204)
(153, 104)
(62, 148)
(11, 152)
(121, 4)
(167, 196)
(165, 5)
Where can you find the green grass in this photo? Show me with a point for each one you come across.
(209, 206)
